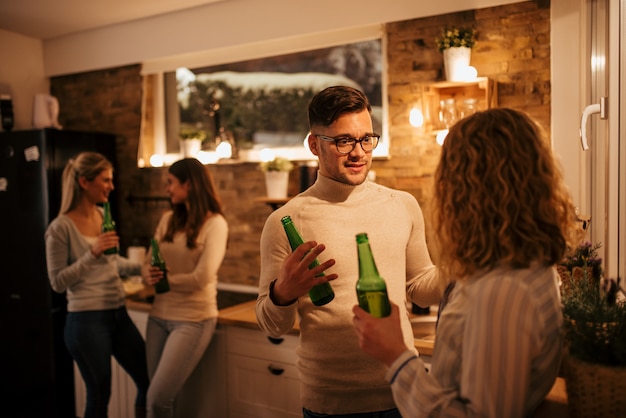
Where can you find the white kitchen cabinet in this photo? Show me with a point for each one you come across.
(263, 380)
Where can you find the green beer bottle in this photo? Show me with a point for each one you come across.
(320, 294)
(108, 224)
(156, 260)
(371, 290)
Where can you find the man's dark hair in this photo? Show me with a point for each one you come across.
(332, 102)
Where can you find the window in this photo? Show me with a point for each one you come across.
(261, 104)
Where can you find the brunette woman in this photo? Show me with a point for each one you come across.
(192, 237)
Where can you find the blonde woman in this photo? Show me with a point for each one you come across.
(503, 219)
(97, 325)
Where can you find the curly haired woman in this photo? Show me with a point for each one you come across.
(503, 219)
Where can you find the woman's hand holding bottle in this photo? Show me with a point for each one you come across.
(151, 275)
(105, 241)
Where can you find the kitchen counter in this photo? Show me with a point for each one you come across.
(244, 315)
(554, 406)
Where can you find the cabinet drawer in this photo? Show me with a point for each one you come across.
(258, 388)
(256, 344)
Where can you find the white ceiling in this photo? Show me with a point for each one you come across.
(46, 19)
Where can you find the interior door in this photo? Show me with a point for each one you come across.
(600, 134)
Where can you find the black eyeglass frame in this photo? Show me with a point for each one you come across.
(348, 140)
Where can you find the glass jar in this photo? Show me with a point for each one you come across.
(469, 107)
(447, 113)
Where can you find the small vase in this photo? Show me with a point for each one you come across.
(191, 147)
(277, 183)
(455, 62)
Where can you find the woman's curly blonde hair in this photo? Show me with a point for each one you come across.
(499, 196)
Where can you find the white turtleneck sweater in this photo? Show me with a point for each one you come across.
(337, 377)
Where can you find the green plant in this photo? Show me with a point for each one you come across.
(246, 111)
(192, 133)
(456, 37)
(584, 256)
(595, 324)
(277, 164)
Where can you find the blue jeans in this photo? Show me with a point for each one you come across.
(390, 413)
(173, 349)
(92, 337)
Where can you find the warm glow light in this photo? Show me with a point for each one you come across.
(164, 160)
(156, 160)
(598, 62)
(416, 118)
(207, 157)
(267, 154)
(224, 150)
(441, 136)
(469, 73)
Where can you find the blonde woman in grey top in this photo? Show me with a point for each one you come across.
(503, 219)
(97, 326)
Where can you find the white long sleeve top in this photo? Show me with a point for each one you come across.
(497, 353)
(192, 273)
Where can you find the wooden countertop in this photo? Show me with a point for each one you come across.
(244, 315)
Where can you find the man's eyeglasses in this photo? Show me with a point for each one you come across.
(345, 145)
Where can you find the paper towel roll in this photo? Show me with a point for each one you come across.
(136, 254)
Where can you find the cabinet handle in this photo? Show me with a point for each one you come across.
(275, 371)
(275, 341)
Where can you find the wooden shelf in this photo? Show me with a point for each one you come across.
(273, 203)
(482, 89)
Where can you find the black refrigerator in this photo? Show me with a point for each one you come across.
(36, 371)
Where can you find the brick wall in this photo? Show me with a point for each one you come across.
(513, 48)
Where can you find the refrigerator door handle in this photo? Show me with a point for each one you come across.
(600, 108)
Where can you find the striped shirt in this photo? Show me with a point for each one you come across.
(497, 353)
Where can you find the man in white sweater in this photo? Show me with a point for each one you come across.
(338, 379)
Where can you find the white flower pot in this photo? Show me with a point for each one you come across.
(455, 62)
(277, 183)
(191, 147)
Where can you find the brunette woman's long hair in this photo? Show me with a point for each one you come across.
(203, 200)
(499, 197)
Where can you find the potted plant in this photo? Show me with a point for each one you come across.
(191, 140)
(594, 364)
(456, 45)
(277, 176)
(583, 258)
